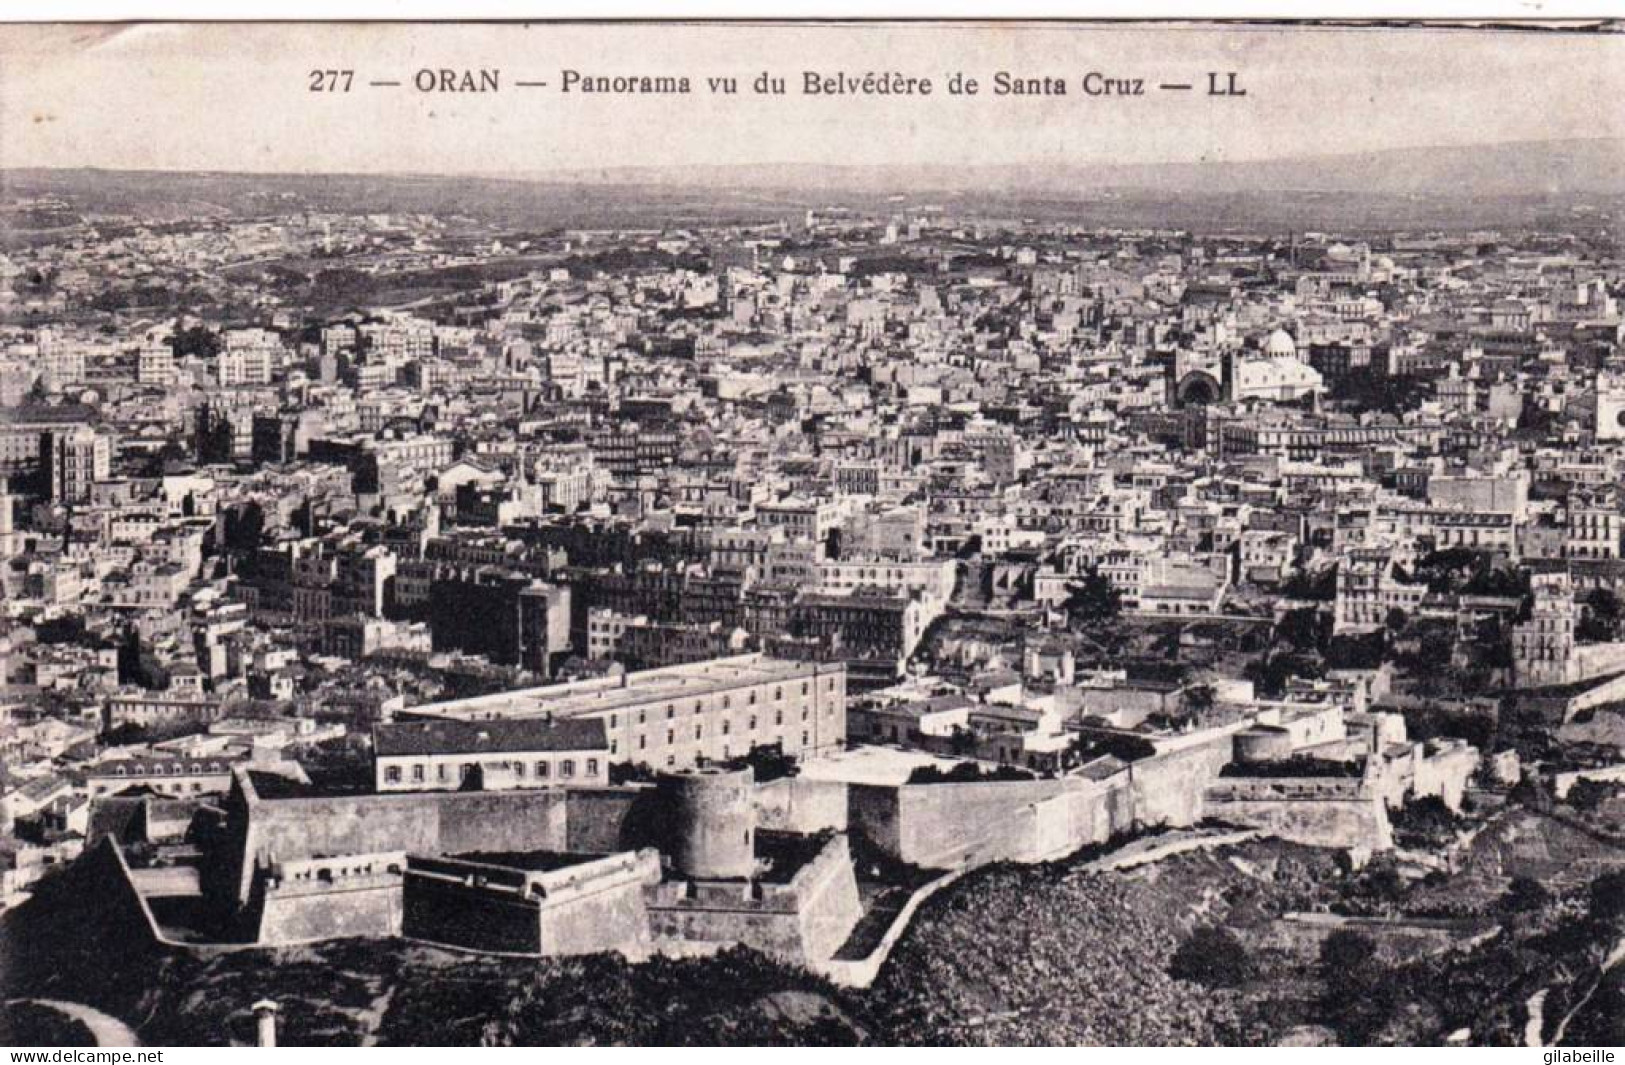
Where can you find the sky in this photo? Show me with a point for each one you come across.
(236, 97)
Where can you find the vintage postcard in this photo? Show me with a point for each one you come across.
(812, 533)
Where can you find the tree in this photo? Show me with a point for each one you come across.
(1093, 600)
(126, 734)
(1270, 672)
(1600, 623)
(1345, 955)
(1213, 957)
(1587, 795)
(342, 764)
(1524, 895)
(769, 762)
(963, 741)
(198, 340)
(1320, 585)
(1592, 629)
(1123, 747)
(244, 527)
(1304, 629)
(1427, 820)
(1491, 579)
(1608, 897)
(1199, 700)
(1358, 993)
(1605, 604)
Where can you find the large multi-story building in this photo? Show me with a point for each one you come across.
(155, 365)
(1368, 589)
(681, 716)
(26, 432)
(79, 458)
(248, 358)
(1543, 646)
(509, 617)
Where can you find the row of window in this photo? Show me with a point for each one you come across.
(671, 739)
(178, 787)
(541, 770)
(699, 734)
(727, 704)
(136, 769)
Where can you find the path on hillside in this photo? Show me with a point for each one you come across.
(109, 1031)
(1534, 1028)
(1615, 956)
(1537, 1019)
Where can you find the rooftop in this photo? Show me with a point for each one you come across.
(525, 734)
(601, 694)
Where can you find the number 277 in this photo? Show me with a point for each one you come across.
(331, 80)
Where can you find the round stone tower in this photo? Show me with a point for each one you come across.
(712, 814)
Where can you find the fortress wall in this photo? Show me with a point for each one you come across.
(942, 825)
(460, 914)
(1077, 817)
(120, 906)
(946, 825)
(587, 908)
(875, 811)
(1344, 818)
(609, 820)
(1169, 786)
(773, 930)
(1608, 691)
(1598, 659)
(261, 831)
(501, 821)
(603, 911)
(827, 900)
(350, 906)
(1560, 707)
(804, 921)
(793, 804)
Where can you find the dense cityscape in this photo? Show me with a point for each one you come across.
(874, 621)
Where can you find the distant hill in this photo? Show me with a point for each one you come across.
(1533, 184)
(1552, 168)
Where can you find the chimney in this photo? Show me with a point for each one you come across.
(265, 1012)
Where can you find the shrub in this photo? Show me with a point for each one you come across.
(1525, 895)
(1213, 957)
(1345, 956)
(966, 773)
(1608, 897)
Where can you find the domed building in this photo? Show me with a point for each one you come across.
(1274, 372)
(1280, 345)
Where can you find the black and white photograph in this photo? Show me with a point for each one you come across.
(883, 533)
